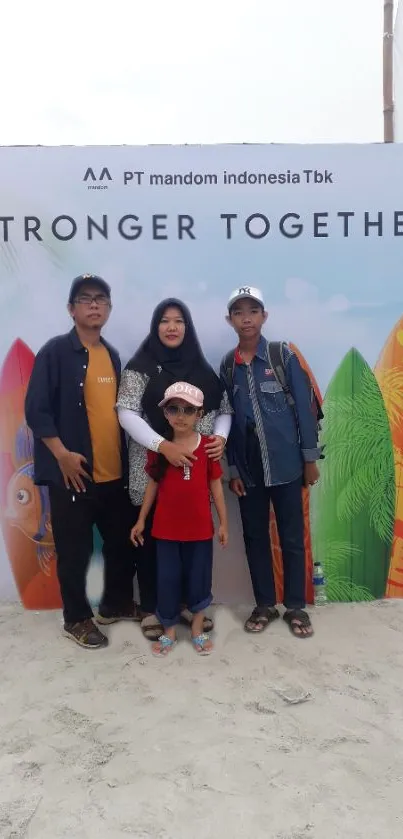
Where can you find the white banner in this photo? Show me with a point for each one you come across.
(318, 228)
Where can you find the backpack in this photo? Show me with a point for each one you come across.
(275, 358)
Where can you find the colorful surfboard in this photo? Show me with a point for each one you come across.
(353, 504)
(24, 507)
(389, 373)
(274, 537)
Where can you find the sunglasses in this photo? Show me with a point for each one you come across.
(187, 410)
(87, 300)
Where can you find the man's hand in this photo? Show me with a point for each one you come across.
(215, 447)
(237, 486)
(72, 469)
(177, 455)
(311, 474)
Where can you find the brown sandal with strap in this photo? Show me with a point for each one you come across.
(186, 619)
(151, 628)
(260, 618)
(299, 623)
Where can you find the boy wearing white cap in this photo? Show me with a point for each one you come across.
(183, 524)
(272, 451)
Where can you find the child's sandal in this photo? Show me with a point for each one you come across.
(202, 644)
(163, 646)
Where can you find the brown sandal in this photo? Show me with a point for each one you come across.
(299, 622)
(186, 619)
(151, 628)
(260, 618)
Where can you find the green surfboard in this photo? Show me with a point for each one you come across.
(353, 504)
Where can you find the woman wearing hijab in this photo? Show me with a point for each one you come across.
(170, 353)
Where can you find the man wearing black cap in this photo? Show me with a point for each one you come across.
(80, 454)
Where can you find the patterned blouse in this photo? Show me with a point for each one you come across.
(131, 392)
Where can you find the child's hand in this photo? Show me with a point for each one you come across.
(136, 534)
(223, 535)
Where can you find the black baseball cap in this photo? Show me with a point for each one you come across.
(88, 279)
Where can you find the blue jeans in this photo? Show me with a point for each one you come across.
(287, 504)
(183, 567)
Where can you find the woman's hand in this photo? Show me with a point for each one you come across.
(215, 447)
(136, 534)
(177, 455)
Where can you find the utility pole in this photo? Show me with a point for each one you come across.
(388, 132)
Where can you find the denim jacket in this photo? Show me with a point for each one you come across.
(287, 435)
(55, 404)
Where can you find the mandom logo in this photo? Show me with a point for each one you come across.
(97, 179)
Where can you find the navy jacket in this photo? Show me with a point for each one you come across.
(288, 436)
(55, 405)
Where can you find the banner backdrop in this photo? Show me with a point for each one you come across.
(319, 229)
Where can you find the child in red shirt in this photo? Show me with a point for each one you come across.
(183, 524)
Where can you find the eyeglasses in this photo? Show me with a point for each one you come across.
(87, 300)
(187, 410)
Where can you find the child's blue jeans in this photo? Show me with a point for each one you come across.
(183, 568)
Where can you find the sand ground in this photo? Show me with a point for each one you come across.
(269, 737)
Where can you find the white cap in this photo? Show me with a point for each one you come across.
(245, 293)
(182, 390)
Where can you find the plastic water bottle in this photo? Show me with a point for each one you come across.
(319, 585)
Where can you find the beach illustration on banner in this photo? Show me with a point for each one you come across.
(353, 517)
(24, 507)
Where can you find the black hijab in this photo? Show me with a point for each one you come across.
(166, 365)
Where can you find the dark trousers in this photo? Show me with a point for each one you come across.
(183, 565)
(146, 562)
(73, 517)
(287, 505)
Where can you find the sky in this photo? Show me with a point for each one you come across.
(177, 71)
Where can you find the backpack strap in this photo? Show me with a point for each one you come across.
(319, 411)
(228, 365)
(275, 357)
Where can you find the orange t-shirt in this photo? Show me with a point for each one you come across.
(100, 391)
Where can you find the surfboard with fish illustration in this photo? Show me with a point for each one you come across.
(24, 507)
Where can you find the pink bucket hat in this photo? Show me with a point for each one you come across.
(182, 390)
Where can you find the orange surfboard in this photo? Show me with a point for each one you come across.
(24, 507)
(274, 537)
(389, 374)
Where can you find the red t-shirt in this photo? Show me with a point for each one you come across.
(183, 509)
